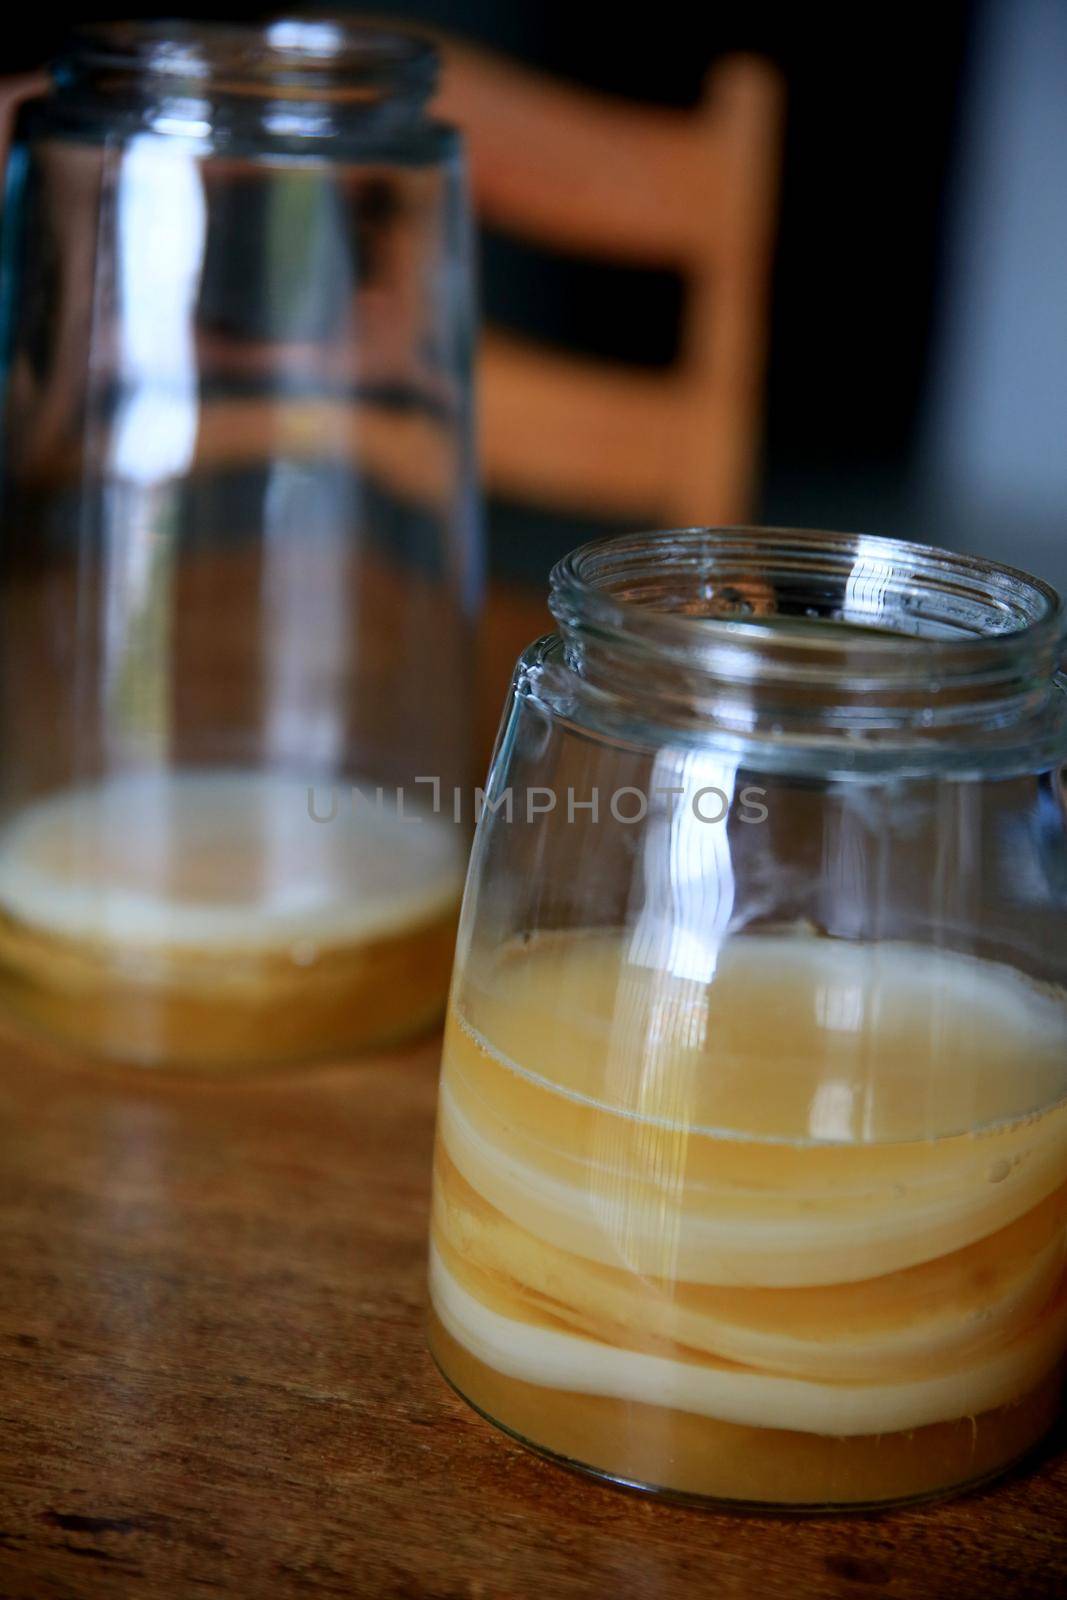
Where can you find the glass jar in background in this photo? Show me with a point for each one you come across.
(751, 1175)
(241, 557)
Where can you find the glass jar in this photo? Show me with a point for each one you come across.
(751, 1171)
(241, 559)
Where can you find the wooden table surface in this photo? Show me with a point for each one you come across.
(215, 1383)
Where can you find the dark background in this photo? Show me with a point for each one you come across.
(919, 335)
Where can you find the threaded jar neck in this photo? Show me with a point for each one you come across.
(809, 635)
(317, 70)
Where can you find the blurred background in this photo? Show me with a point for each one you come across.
(916, 341)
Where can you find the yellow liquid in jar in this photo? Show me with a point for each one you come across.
(793, 1233)
(205, 919)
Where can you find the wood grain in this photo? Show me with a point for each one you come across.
(215, 1381)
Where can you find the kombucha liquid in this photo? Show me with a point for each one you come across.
(204, 919)
(791, 1232)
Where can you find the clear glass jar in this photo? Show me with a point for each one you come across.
(241, 559)
(751, 1175)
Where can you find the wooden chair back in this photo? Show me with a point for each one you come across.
(693, 190)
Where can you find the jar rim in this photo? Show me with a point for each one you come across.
(597, 579)
(294, 51)
(729, 627)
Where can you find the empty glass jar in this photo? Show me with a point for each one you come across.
(751, 1175)
(240, 562)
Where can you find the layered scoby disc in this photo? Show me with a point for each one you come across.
(823, 1190)
(224, 860)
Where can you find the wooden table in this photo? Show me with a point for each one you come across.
(215, 1384)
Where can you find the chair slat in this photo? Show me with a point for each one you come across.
(580, 170)
(577, 434)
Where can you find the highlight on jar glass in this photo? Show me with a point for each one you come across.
(751, 1168)
(241, 560)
